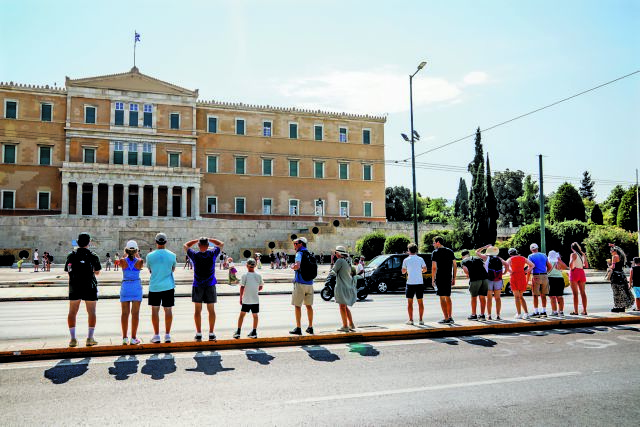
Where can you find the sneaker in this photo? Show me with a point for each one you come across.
(212, 336)
(167, 338)
(535, 314)
(91, 342)
(517, 316)
(561, 314)
(253, 334)
(489, 317)
(198, 337)
(450, 321)
(498, 317)
(309, 330)
(481, 317)
(73, 342)
(125, 341)
(409, 322)
(296, 331)
(155, 339)
(135, 341)
(443, 321)
(343, 329)
(421, 323)
(526, 316)
(237, 334)
(472, 317)
(543, 314)
(554, 313)
(352, 328)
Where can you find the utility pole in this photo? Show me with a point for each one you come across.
(637, 214)
(543, 245)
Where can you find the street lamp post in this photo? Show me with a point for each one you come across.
(413, 154)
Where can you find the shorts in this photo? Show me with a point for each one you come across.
(518, 281)
(556, 286)
(204, 294)
(166, 298)
(36, 262)
(636, 291)
(414, 290)
(478, 287)
(577, 275)
(131, 291)
(89, 293)
(495, 285)
(443, 287)
(302, 294)
(540, 283)
(253, 308)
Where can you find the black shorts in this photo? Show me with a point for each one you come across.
(414, 290)
(556, 286)
(204, 294)
(443, 288)
(254, 308)
(36, 262)
(164, 298)
(86, 293)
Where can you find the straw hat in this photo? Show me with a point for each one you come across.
(341, 250)
(492, 251)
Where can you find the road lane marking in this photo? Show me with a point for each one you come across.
(429, 388)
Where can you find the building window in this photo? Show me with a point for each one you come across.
(212, 164)
(343, 134)
(368, 209)
(240, 205)
(89, 155)
(212, 124)
(293, 207)
(212, 205)
(366, 173)
(266, 206)
(46, 112)
(43, 200)
(133, 115)
(266, 128)
(132, 154)
(44, 154)
(240, 165)
(89, 115)
(318, 170)
(343, 170)
(8, 199)
(147, 154)
(239, 126)
(344, 208)
(293, 130)
(119, 115)
(10, 109)
(267, 167)
(366, 136)
(9, 154)
(174, 160)
(175, 120)
(293, 168)
(118, 153)
(317, 132)
(147, 119)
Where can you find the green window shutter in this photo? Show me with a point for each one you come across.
(293, 131)
(367, 173)
(318, 133)
(89, 156)
(266, 166)
(212, 164)
(240, 165)
(118, 157)
(344, 171)
(293, 168)
(119, 118)
(11, 110)
(90, 115)
(147, 159)
(9, 154)
(174, 160)
(133, 118)
(43, 201)
(132, 158)
(239, 206)
(366, 136)
(239, 127)
(45, 114)
(319, 170)
(213, 125)
(7, 200)
(367, 209)
(147, 120)
(175, 121)
(45, 156)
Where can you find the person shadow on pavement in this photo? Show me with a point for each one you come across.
(320, 354)
(123, 367)
(65, 370)
(366, 350)
(209, 364)
(260, 356)
(158, 367)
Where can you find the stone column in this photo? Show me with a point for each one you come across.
(196, 203)
(140, 200)
(193, 155)
(183, 200)
(169, 201)
(94, 199)
(154, 202)
(65, 198)
(78, 198)
(125, 200)
(109, 199)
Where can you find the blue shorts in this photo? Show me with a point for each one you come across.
(495, 285)
(131, 291)
(636, 292)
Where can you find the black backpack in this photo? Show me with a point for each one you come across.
(494, 269)
(308, 267)
(79, 266)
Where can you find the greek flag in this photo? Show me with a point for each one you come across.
(136, 37)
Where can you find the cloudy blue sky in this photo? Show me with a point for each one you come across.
(488, 61)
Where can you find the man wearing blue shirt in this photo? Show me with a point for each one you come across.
(302, 290)
(161, 264)
(540, 280)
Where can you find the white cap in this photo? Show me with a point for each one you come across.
(131, 244)
(533, 246)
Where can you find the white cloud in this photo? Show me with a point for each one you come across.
(475, 78)
(376, 92)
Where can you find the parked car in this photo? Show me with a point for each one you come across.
(384, 273)
(506, 285)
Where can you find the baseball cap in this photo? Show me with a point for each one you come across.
(251, 261)
(161, 238)
(131, 244)
(83, 239)
(533, 246)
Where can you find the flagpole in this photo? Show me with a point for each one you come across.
(135, 41)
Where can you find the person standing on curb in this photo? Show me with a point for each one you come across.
(250, 284)
(518, 281)
(131, 292)
(83, 266)
(540, 280)
(622, 298)
(495, 267)
(635, 283)
(556, 284)
(413, 266)
(443, 276)
(161, 264)
(204, 281)
(306, 270)
(478, 283)
(577, 263)
(36, 260)
(345, 290)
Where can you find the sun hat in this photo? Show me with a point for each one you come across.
(553, 257)
(492, 251)
(132, 244)
(302, 240)
(533, 246)
(341, 250)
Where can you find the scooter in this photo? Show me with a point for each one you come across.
(362, 292)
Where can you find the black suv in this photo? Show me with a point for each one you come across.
(384, 273)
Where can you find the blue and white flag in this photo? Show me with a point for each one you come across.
(136, 37)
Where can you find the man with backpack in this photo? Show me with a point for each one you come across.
(478, 284)
(306, 270)
(494, 266)
(83, 266)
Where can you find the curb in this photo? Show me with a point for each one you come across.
(427, 331)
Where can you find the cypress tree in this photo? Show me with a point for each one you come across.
(477, 200)
(586, 187)
(461, 207)
(492, 209)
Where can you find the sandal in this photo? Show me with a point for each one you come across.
(584, 313)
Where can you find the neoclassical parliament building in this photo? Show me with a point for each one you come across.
(130, 145)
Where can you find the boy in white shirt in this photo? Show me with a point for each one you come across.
(250, 284)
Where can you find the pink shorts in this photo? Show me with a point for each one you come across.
(577, 275)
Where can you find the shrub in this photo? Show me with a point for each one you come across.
(627, 213)
(531, 234)
(460, 236)
(396, 244)
(597, 244)
(427, 239)
(567, 204)
(371, 245)
(596, 215)
(565, 233)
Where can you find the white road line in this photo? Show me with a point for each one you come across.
(429, 388)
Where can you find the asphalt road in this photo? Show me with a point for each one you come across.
(43, 323)
(578, 377)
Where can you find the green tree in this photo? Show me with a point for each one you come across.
(586, 187)
(427, 239)
(438, 211)
(596, 215)
(459, 236)
(529, 201)
(461, 207)
(371, 245)
(399, 203)
(492, 209)
(567, 204)
(627, 211)
(477, 200)
(610, 206)
(396, 244)
(597, 244)
(507, 186)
